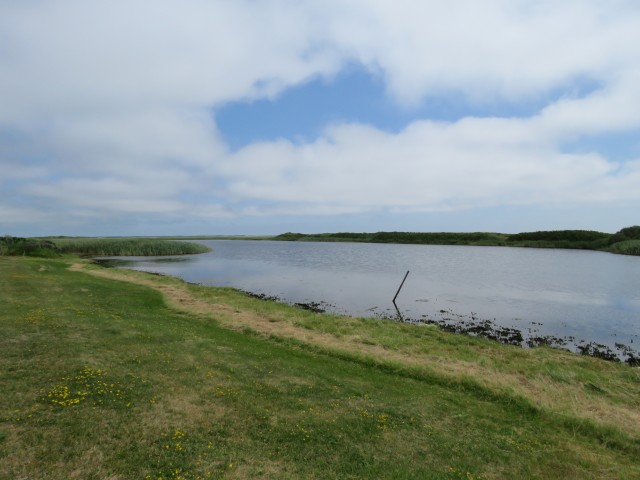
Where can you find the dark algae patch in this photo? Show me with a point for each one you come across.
(261, 296)
(451, 322)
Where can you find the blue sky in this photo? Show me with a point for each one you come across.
(213, 117)
(356, 95)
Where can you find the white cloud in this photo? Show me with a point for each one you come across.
(114, 102)
(428, 166)
(143, 139)
(68, 55)
(490, 49)
(72, 56)
(616, 107)
(19, 216)
(106, 194)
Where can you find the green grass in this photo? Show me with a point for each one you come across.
(100, 379)
(127, 246)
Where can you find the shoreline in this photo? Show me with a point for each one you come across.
(451, 322)
(116, 372)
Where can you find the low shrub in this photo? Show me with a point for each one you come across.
(27, 246)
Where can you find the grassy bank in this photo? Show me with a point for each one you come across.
(626, 241)
(120, 374)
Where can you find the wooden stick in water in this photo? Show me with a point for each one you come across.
(400, 287)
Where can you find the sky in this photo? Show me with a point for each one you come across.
(208, 117)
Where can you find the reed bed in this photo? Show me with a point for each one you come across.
(128, 247)
(628, 247)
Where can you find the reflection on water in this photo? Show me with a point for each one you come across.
(591, 296)
(134, 262)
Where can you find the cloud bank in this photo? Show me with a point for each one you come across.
(108, 108)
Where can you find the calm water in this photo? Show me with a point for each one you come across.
(591, 296)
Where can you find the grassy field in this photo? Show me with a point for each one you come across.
(119, 374)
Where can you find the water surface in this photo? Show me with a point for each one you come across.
(590, 296)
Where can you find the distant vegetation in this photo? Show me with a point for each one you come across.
(27, 246)
(442, 238)
(626, 241)
(628, 247)
(128, 247)
(96, 246)
(581, 239)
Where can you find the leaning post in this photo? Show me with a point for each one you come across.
(400, 287)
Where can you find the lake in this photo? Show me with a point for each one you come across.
(576, 296)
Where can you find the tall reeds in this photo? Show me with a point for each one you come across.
(128, 247)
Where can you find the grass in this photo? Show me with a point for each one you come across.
(126, 375)
(127, 246)
(52, 247)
